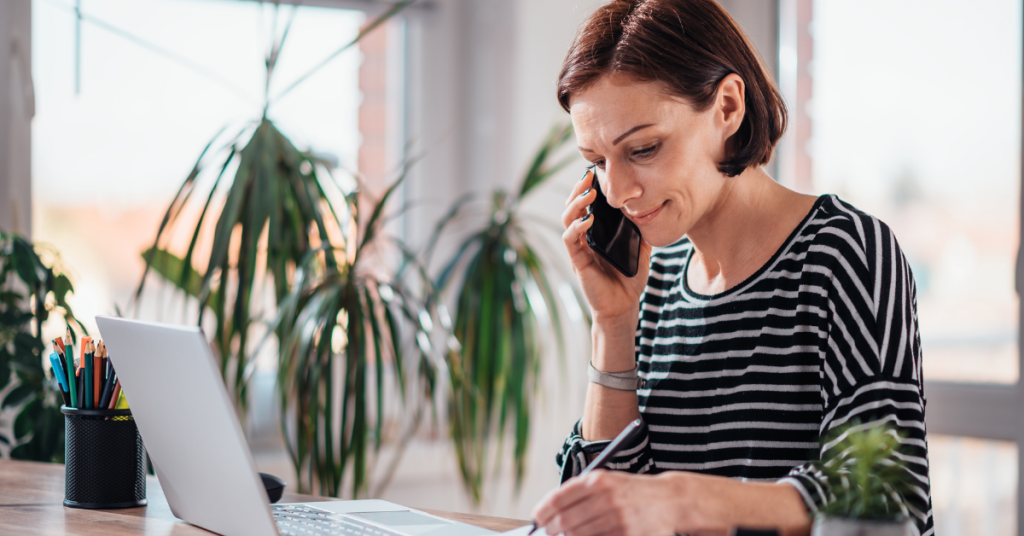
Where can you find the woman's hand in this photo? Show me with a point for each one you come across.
(673, 502)
(612, 503)
(611, 295)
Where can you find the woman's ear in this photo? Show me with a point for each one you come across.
(730, 105)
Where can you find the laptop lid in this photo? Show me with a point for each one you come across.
(183, 412)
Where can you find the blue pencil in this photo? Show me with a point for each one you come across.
(62, 380)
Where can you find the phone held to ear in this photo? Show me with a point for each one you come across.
(612, 235)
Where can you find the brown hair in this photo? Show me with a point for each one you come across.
(690, 46)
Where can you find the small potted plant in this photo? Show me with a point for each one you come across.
(868, 484)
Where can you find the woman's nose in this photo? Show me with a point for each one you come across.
(619, 186)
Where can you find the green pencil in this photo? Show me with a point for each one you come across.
(69, 354)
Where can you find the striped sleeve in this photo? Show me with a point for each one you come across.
(871, 360)
(633, 458)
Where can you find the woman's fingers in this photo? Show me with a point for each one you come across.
(576, 207)
(576, 241)
(558, 500)
(580, 186)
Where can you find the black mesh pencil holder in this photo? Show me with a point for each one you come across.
(105, 459)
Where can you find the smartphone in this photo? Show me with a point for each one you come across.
(612, 235)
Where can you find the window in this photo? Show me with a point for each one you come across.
(913, 114)
(108, 159)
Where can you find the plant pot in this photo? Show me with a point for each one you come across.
(843, 526)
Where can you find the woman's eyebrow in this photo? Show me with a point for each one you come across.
(630, 131)
(620, 138)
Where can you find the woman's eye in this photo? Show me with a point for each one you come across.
(645, 152)
(599, 164)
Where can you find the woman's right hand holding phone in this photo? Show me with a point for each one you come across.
(613, 297)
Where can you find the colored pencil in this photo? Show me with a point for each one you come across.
(70, 363)
(97, 378)
(62, 381)
(59, 350)
(115, 395)
(60, 343)
(81, 389)
(101, 351)
(108, 390)
(88, 376)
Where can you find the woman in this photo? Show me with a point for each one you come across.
(766, 318)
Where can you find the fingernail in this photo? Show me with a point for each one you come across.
(585, 174)
(584, 194)
(585, 218)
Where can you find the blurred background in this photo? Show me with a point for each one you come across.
(908, 109)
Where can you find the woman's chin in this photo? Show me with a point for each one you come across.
(660, 238)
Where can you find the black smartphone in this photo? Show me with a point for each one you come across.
(612, 235)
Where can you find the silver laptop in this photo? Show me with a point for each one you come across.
(200, 455)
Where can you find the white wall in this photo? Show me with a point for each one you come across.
(16, 109)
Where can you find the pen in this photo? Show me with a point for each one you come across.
(624, 438)
(69, 357)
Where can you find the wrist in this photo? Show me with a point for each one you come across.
(614, 344)
(710, 502)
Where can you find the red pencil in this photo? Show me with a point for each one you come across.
(113, 398)
(97, 372)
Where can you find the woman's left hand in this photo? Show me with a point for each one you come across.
(612, 502)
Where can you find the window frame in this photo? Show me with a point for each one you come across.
(989, 411)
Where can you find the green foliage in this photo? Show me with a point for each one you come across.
(275, 207)
(29, 291)
(866, 477)
(504, 286)
(285, 224)
(342, 360)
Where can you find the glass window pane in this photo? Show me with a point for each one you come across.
(916, 119)
(107, 161)
(974, 486)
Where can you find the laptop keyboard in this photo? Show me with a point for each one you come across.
(303, 520)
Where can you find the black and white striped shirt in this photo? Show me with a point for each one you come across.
(749, 382)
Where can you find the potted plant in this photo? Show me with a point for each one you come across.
(868, 483)
(30, 289)
(502, 288)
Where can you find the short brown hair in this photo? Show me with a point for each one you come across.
(690, 46)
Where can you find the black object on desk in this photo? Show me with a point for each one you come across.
(274, 486)
(105, 460)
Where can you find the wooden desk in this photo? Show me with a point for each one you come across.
(31, 496)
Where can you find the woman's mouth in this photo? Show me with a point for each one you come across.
(646, 217)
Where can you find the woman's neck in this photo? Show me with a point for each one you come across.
(751, 219)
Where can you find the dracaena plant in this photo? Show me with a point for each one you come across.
(287, 227)
(501, 285)
(31, 289)
(344, 328)
(281, 203)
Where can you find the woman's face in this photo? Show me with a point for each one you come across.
(658, 155)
